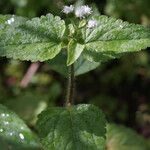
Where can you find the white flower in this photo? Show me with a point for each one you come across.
(83, 11)
(92, 23)
(10, 21)
(68, 9)
(87, 10)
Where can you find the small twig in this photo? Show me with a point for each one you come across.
(71, 86)
(29, 74)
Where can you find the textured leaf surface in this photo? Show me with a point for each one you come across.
(81, 65)
(122, 138)
(38, 39)
(14, 134)
(80, 127)
(113, 37)
(74, 51)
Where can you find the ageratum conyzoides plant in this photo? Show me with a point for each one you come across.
(83, 38)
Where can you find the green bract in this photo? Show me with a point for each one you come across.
(79, 127)
(14, 134)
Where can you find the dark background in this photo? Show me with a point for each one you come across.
(121, 87)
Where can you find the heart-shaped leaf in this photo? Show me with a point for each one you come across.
(79, 127)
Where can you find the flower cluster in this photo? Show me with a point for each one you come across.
(81, 12)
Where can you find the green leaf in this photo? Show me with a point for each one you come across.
(38, 39)
(14, 134)
(112, 38)
(122, 138)
(81, 65)
(74, 51)
(79, 127)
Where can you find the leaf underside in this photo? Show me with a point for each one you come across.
(81, 66)
(79, 127)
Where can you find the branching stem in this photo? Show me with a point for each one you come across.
(70, 86)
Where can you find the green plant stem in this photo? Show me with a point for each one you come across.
(70, 86)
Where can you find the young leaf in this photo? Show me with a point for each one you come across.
(79, 127)
(74, 51)
(122, 138)
(38, 39)
(113, 37)
(14, 133)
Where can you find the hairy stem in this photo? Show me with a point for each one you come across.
(70, 86)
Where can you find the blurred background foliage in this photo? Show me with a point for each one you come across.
(121, 87)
